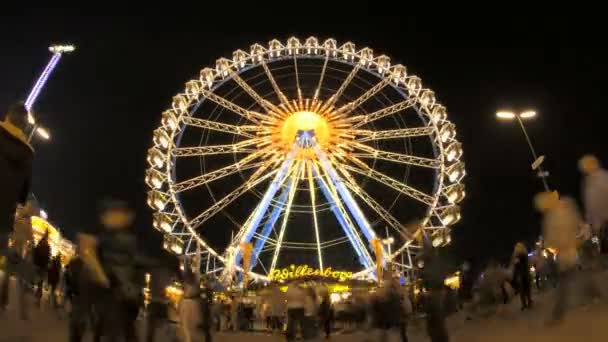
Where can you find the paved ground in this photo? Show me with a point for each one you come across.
(587, 323)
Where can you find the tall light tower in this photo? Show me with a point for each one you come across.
(57, 51)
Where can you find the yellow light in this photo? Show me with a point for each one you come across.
(304, 121)
(505, 115)
(43, 133)
(527, 114)
(31, 119)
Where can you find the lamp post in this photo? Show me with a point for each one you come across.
(537, 163)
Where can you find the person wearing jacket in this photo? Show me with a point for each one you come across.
(15, 178)
(521, 275)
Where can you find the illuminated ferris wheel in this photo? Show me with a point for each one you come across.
(307, 152)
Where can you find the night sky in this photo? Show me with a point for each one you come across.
(103, 101)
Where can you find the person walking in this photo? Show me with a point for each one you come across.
(189, 309)
(310, 330)
(560, 223)
(53, 278)
(42, 257)
(521, 275)
(595, 198)
(295, 296)
(433, 275)
(326, 314)
(16, 156)
(117, 304)
(158, 306)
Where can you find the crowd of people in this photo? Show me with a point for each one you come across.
(100, 288)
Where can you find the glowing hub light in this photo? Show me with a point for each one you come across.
(304, 121)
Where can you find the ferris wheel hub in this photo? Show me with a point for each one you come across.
(304, 121)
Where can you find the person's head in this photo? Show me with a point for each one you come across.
(116, 215)
(588, 164)
(17, 115)
(545, 201)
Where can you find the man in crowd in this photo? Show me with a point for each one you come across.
(15, 178)
(595, 197)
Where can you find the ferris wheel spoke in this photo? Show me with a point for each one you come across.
(373, 204)
(370, 152)
(245, 130)
(390, 182)
(246, 146)
(313, 205)
(334, 98)
(267, 105)
(360, 120)
(258, 177)
(292, 191)
(214, 175)
(320, 84)
(351, 106)
(369, 135)
(252, 116)
(277, 90)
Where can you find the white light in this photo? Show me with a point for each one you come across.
(163, 222)
(438, 113)
(528, 114)
(156, 200)
(331, 47)
(293, 46)
(43, 133)
(505, 115)
(223, 67)
(207, 77)
(367, 56)
(181, 103)
(437, 241)
(454, 151)
(169, 120)
(44, 214)
(447, 132)
(62, 48)
(275, 48)
(384, 63)
(155, 158)
(456, 172)
(414, 84)
(450, 215)
(455, 193)
(312, 45)
(31, 119)
(398, 73)
(239, 57)
(154, 179)
(427, 98)
(161, 138)
(348, 50)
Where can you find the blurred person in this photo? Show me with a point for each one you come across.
(207, 312)
(433, 275)
(42, 258)
(492, 291)
(118, 304)
(560, 223)
(295, 296)
(521, 275)
(158, 305)
(53, 278)
(387, 310)
(310, 328)
(326, 313)
(595, 197)
(277, 309)
(16, 156)
(189, 306)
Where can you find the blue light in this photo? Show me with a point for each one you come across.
(29, 102)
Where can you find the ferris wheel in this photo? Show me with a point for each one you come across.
(309, 152)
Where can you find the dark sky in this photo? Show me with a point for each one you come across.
(103, 102)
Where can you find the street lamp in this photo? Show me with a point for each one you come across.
(520, 117)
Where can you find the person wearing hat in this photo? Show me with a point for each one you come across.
(15, 178)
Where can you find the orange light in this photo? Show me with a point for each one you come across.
(304, 121)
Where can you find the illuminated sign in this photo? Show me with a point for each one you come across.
(294, 272)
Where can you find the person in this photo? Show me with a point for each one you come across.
(595, 197)
(326, 313)
(118, 303)
(295, 296)
(433, 276)
(158, 306)
(189, 309)
(521, 275)
(277, 309)
(42, 257)
(53, 277)
(560, 223)
(310, 314)
(16, 156)
(207, 312)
